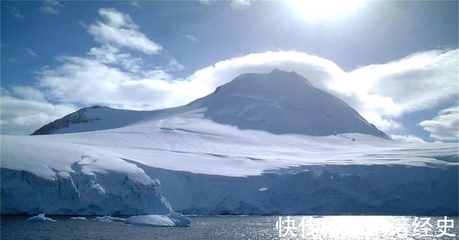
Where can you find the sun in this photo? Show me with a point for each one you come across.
(324, 9)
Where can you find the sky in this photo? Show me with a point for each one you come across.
(395, 62)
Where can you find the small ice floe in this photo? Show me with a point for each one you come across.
(78, 218)
(166, 220)
(263, 189)
(108, 219)
(40, 218)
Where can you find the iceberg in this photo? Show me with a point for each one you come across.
(78, 218)
(40, 218)
(167, 220)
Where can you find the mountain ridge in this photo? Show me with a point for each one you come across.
(278, 102)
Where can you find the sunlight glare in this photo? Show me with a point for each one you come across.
(324, 9)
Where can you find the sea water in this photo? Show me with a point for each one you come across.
(241, 227)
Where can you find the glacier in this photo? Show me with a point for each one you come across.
(262, 144)
(208, 172)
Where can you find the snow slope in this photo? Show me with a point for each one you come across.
(210, 160)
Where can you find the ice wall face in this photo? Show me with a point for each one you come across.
(327, 190)
(79, 193)
(56, 178)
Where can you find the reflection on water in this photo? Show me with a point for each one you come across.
(241, 227)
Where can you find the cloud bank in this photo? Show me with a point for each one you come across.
(445, 126)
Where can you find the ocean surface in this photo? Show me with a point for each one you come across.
(241, 227)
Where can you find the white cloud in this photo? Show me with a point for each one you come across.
(407, 138)
(51, 7)
(82, 80)
(206, 1)
(19, 15)
(235, 4)
(174, 65)
(117, 19)
(110, 55)
(418, 82)
(28, 111)
(445, 126)
(109, 76)
(192, 38)
(239, 4)
(135, 4)
(28, 93)
(30, 52)
(118, 29)
(318, 71)
(16, 13)
(91, 82)
(382, 123)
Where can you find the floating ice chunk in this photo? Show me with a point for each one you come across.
(108, 219)
(40, 218)
(151, 220)
(78, 218)
(263, 189)
(167, 220)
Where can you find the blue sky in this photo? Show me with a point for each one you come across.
(396, 62)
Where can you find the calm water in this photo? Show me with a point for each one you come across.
(241, 227)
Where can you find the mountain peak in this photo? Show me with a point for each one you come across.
(288, 75)
(278, 71)
(282, 102)
(277, 83)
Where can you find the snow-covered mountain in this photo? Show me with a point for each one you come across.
(278, 102)
(92, 119)
(261, 144)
